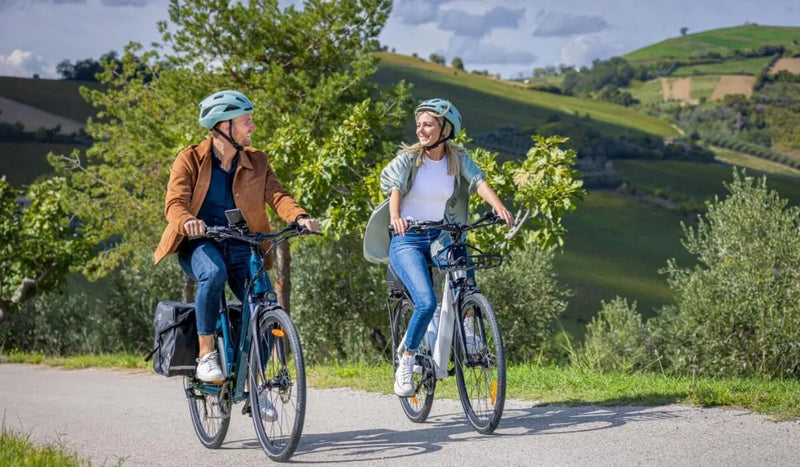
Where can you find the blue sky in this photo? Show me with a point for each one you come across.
(509, 37)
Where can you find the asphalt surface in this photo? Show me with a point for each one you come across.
(138, 418)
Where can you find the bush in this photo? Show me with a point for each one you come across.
(339, 301)
(614, 340)
(736, 311)
(527, 300)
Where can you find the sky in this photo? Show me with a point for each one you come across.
(505, 37)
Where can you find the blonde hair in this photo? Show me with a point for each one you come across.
(452, 150)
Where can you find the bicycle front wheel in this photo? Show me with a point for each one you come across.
(480, 364)
(210, 407)
(277, 384)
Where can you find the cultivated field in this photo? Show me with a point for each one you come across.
(733, 84)
(792, 65)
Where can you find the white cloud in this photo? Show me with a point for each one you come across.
(582, 50)
(476, 52)
(415, 12)
(558, 24)
(24, 64)
(467, 24)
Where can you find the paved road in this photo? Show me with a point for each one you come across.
(142, 419)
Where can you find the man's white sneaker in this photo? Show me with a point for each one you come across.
(404, 377)
(208, 369)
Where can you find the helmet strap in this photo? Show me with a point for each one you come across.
(437, 143)
(229, 136)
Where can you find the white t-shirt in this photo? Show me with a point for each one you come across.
(429, 194)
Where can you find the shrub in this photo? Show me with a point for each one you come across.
(614, 340)
(527, 300)
(736, 311)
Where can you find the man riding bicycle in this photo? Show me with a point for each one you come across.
(220, 173)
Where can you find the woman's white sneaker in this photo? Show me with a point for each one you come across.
(404, 377)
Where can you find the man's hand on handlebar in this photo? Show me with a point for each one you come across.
(309, 224)
(194, 228)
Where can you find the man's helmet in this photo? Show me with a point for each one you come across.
(221, 106)
(446, 109)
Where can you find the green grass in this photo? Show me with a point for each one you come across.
(57, 96)
(723, 41)
(615, 246)
(702, 181)
(544, 385)
(750, 66)
(487, 103)
(22, 163)
(17, 449)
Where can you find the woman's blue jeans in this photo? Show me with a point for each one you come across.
(410, 255)
(211, 264)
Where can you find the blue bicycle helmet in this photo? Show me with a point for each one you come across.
(221, 106)
(446, 109)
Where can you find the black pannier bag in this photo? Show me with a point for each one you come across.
(175, 345)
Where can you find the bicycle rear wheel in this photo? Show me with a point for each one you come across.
(417, 407)
(210, 407)
(277, 384)
(480, 364)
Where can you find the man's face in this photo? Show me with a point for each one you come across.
(242, 127)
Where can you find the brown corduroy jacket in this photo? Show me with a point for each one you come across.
(255, 185)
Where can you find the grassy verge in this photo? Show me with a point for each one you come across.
(17, 449)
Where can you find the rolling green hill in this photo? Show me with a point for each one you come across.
(722, 41)
(617, 241)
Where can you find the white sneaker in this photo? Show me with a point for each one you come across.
(208, 369)
(268, 411)
(404, 377)
(474, 344)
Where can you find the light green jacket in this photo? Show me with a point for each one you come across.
(400, 174)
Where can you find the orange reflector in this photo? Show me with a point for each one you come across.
(494, 391)
(278, 333)
(414, 399)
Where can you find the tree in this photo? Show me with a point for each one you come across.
(457, 63)
(436, 58)
(39, 244)
(684, 30)
(321, 122)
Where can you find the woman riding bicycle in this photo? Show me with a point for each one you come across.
(430, 180)
(223, 172)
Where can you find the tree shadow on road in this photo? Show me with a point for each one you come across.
(448, 428)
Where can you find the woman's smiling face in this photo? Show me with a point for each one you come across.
(428, 128)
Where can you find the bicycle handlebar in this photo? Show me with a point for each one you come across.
(486, 219)
(220, 233)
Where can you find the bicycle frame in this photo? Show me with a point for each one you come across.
(258, 298)
(456, 284)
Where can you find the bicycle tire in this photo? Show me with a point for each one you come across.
(211, 412)
(417, 407)
(480, 364)
(281, 380)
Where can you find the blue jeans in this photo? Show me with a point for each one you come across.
(410, 255)
(211, 264)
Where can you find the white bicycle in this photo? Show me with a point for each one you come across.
(465, 323)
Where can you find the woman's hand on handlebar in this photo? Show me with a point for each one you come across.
(194, 228)
(505, 215)
(399, 225)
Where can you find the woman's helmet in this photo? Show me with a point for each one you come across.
(221, 106)
(446, 109)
